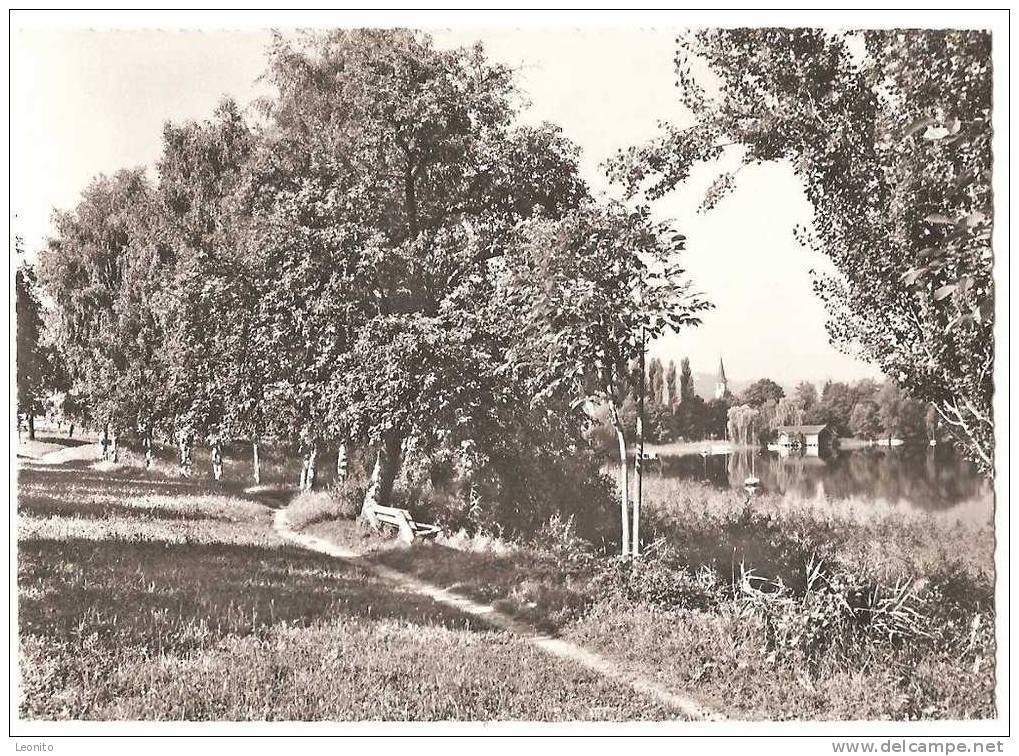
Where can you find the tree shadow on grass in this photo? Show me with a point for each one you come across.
(179, 597)
(75, 483)
(63, 440)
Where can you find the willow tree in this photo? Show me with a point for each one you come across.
(379, 136)
(889, 132)
(594, 289)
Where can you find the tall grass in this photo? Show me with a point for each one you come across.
(772, 608)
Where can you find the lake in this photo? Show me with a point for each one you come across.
(921, 477)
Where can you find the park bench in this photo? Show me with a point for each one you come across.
(650, 459)
(401, 520)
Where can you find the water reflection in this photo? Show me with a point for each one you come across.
(930, 478)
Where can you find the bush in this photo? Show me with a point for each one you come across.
(657, 579)
(340, 503)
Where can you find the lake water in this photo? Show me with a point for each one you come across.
(927, 478)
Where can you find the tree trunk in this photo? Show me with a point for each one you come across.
(380, 489)
(116, 446)
(70, 431)
(217, 461)
(342, 462)
(105, 443)
(184, 454)
(638, 468)
(255, 463)
(31, 426)
(308, 470)
(624, 513)
(147, 445)
(639, 463)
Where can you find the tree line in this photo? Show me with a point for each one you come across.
(378, 256)
(866, 409)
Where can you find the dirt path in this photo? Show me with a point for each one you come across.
(563, 649)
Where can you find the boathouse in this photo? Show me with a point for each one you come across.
(809, 437)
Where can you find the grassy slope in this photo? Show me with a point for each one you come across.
(147, 598)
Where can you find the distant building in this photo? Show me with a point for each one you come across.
(812, 438)
(721, 384)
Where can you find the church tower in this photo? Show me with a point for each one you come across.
(721, 385)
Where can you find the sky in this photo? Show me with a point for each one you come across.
(89, 102)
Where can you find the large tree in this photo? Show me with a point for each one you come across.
(594, 289)
(104, 269)
(213, 381)
(761, 391)
(889, 132)
(405, 164)
(686, 389)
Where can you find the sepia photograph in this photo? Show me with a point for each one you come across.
(603, 374)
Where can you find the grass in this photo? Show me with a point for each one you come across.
(142, 597)
(780, 609)
(145, 596)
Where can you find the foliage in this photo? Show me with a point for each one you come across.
(103, 270)
(36, 368)
(865, 421)
(761, 391)
(744, 424)
(889, 132)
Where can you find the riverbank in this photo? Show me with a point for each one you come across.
(685, 448)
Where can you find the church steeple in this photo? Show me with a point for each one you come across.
(721, 384)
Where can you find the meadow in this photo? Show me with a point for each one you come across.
(147, 596)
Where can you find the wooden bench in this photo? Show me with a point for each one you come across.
(403, 522)
(649, 459)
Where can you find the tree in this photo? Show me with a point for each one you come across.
(889, 132)
(743, 424)
(379, 137)
(835, 407)
(35, 372)
(686, 391)
(672, 394)
(788, 411)
(806, 395)
(901, 416)
(105, 270)
(865, 420)
(655, 381)
(761, 391)
(213, 383)
(594, 289)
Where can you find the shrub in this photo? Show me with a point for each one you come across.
(658, 579)
(340, 503)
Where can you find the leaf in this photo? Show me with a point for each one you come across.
(973, 219)
(944, 291)
(917, 125)
(939, 219)
(910, 277)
